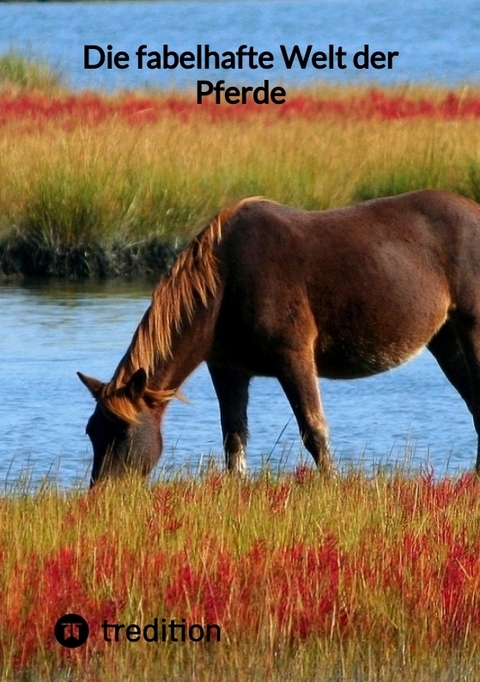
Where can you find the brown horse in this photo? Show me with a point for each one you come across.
(275, 291)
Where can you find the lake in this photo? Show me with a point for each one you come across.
(437, 41)
(51, 330)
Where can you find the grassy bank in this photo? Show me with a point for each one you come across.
(96, 185)
(359, 579)
(19, 73)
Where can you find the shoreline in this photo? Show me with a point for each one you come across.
(21, 259)
(102, 186)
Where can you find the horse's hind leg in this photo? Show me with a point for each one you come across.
(232, 392)
(298, 378)
(459, 337)
(469, 335)
(447, 350)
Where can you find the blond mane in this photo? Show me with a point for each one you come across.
(193, 279)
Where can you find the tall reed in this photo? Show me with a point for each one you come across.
(116, 181)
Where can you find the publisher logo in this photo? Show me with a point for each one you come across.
(71, 630)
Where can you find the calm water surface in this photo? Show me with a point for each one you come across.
(438, 40)
(51, 331)
(48, 332)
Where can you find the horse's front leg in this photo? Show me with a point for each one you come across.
(298, 377)
(232, 392)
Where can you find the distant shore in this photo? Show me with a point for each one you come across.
(97, 185)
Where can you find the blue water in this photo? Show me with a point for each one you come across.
(437, 40)
(50, 331)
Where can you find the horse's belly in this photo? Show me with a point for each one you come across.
(360, 350)
(356, 362)
(376, 329)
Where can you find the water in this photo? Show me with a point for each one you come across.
(437, 40)
(51, 331)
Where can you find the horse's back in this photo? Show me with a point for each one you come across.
(421, 214)
(370, 283)
(431, 230)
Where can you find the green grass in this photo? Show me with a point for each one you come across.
(116, 183)
(92, 184)
(24, 73)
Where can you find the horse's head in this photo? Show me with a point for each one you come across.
(124, 427)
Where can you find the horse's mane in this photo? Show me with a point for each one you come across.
(193, 279)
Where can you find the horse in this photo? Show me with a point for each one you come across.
(270, 290)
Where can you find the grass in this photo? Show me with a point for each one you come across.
(18, 72)
(93, 184)
(362, 579)
(358, 579)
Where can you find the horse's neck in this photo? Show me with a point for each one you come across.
(188, 348)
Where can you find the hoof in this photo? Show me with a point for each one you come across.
(237, 466)
(327, 470)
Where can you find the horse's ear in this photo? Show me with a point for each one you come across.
(93, 385)
(136, 385)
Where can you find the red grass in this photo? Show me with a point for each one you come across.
(92, 109)
(420, 584)
(49, 587)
